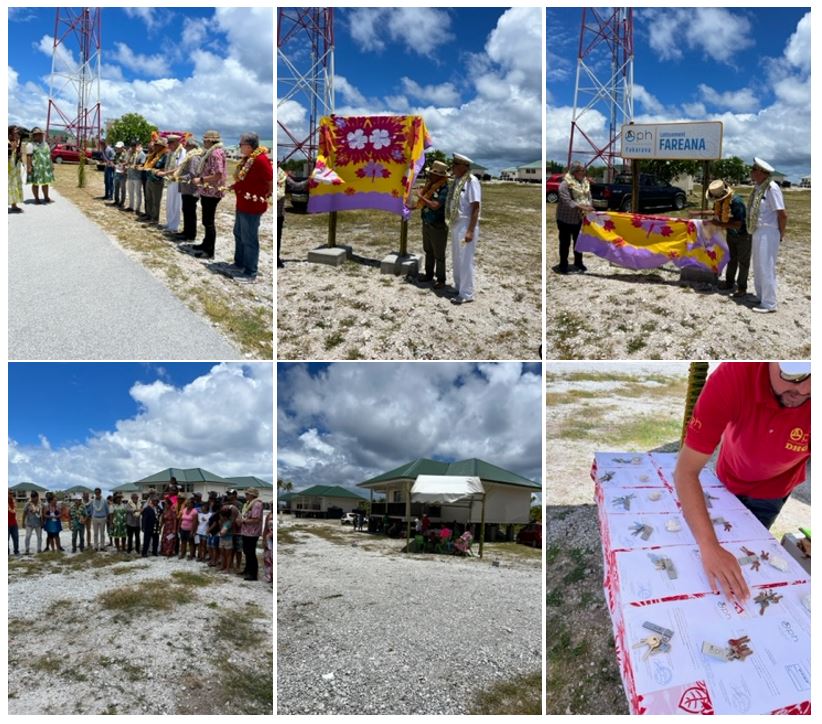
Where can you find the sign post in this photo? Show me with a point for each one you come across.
(698, 141)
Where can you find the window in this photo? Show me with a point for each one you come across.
(397, 496)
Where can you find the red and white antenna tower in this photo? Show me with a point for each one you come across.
(305, 75)
(75, 74)
(604, 85)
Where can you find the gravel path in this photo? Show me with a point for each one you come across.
(73, 294)
(360, 632)
(68, 653)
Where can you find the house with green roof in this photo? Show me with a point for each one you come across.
(323, 501)
(507, 494)
(530, 172)
(22, 491)
(198, 480)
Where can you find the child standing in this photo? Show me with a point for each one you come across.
(202, 530)
(226, 538)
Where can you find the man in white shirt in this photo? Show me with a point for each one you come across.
(462, 210)
(174, 200)
(766, 223)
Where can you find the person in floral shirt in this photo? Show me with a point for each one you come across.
(39, 166)
(78, 517)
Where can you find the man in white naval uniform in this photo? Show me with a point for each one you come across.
(766, 222)
(174, 200)
(462, 210)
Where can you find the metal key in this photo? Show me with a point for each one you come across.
(653, 642)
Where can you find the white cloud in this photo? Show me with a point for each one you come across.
(149, 65)
(346, 91)
(646, 100)
(500, 124)
(353, 421)
(419, 30)
(741, 101)
(444, 94)
(717, 32)
(798, 50)
(222, 421)
(230, 87)
(148, 15)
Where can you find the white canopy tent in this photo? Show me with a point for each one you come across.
(448, 489)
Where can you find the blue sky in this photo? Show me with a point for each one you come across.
(67, 402)
(748, 67)
(473, 73)
(342, 423)
(109, 423)
(196, 67)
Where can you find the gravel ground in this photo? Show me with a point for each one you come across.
(74, 295)
(355, 312)
(69, 653)
(364, 630)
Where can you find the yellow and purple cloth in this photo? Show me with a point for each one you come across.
(638, 241)
(367, 162)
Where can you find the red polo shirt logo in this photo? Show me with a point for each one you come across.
(695, 424)
(798, 440)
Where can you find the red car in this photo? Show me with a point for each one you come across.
(65, 153)
(531, 534)
(552, 187)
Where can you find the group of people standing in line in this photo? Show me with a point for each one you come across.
(191, 172)
(753, 231)
(135, 178)
(218, 531)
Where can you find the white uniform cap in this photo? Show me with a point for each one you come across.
(459, 158)
(764, 165)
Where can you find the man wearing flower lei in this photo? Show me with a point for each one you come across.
(253, 184)
(462, 209)
(766, 223)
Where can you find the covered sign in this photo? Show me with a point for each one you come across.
(445, 488)
(367, 162)
(700, 141)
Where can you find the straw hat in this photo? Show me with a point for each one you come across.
(438, 168)
(718, 190)
(212, 136)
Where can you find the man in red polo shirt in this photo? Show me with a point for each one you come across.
(761, 412)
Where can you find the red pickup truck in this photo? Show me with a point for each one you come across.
(552, 187)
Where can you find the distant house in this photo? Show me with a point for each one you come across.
(508, 174)
(22, 491)
(197, 480)
(805, 182)
(323, 501)
(74, 491)
(530, 172)
(508, 495)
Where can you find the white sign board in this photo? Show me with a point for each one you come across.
(680, 141)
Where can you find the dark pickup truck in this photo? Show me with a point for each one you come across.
(653, 194)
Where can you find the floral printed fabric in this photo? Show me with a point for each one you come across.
(367, 162)
(42, 172)
(637, 241)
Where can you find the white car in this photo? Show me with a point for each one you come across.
(348, 519)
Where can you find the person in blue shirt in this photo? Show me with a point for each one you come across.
(737, 236)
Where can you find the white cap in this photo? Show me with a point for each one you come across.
(119, 144)
(795, 368)
(459, 158)
(764, 165)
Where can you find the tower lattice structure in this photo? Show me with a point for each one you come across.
(305, 76)
(74, 84)
(604, 86)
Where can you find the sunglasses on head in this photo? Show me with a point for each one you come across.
(796, 378)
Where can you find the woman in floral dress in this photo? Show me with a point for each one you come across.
(118, 523)
(39, 167)
(168, 535)
(268, 547)
(15, 166)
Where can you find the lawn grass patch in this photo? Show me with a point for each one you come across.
(156, 595)
(520, 695)
(198, 580)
